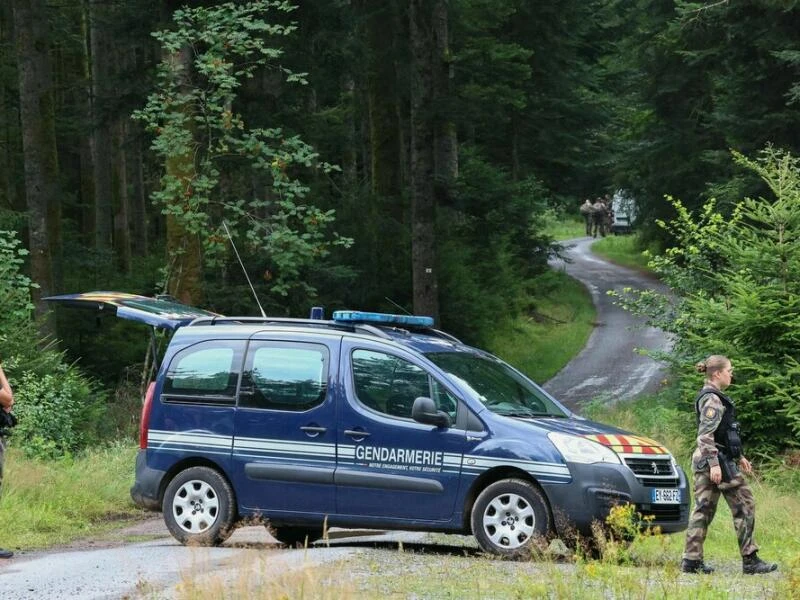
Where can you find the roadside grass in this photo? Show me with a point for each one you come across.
(624, 250)
(45, 504)
(449, 573)
(414, 575)
(565, 228)
(555, 329)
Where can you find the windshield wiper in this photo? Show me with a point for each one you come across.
(519, 413)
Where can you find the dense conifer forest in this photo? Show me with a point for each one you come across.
(395, 155)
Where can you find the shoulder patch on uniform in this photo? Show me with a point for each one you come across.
(710, 412)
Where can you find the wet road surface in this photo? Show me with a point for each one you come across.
(608, 368)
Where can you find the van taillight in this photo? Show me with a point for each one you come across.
(144, 424)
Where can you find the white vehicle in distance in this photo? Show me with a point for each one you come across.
(625, 212)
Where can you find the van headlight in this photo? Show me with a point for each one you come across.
(580, 450)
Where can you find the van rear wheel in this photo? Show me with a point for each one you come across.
(199, 507)
(508, 516)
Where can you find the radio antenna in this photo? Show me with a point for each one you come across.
(241, 264)
(397, 305)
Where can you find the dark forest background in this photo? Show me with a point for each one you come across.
(454, 130)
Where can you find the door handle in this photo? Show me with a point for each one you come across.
(314, 429)
(354, 433)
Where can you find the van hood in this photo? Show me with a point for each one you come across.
(164, 311)
(618, 440)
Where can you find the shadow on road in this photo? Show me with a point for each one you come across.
(377, 540)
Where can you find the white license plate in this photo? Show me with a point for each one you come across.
(665, 496)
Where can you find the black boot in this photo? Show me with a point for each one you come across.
(6, 553)
(695, 566)
(752, 565)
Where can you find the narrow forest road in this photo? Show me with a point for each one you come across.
(608, 367)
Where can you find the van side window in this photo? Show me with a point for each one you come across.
(389, 384)
(284, 376)
(207, 372)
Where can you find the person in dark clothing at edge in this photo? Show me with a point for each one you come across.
(715, 472)
(6, 402)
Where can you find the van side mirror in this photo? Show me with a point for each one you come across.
(424, 411)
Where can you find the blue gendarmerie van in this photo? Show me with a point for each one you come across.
(371, 420)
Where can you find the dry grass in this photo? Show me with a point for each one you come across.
(265, 575)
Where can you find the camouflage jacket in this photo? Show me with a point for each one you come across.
(711, 411)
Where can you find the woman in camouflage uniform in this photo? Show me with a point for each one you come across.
(715, 472)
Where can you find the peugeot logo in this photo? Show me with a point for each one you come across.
(655, 467)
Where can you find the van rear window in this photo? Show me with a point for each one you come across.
(205, 372)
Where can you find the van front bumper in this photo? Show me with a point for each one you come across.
(596, 489)
(145, 491)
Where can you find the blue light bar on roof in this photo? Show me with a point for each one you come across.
(357, 316)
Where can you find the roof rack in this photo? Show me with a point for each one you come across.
(411, 325)
(311, 323)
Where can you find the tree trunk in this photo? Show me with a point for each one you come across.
(87, 141)
(39, 149)
(8, 118)
(122, 237)
(183, 248)
(138, 201)
(516, 168)
(350, 152)
(446, 141)
(101, 131)
(384, 129)
(423, 208)
(7, 187)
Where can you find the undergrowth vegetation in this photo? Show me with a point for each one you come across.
(60, 410)
(735, 290)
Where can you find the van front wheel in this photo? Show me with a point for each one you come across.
(199, 507)
(508, 516)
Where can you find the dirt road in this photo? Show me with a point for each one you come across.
(608, 367)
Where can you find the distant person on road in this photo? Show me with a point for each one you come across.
(586, 213)
(598, 218)
(6, 402)
(715, 472)
(609, 214)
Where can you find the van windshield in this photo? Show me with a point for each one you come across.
(499, 387)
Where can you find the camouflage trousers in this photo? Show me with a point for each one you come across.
(739, 497)
(598, 225)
